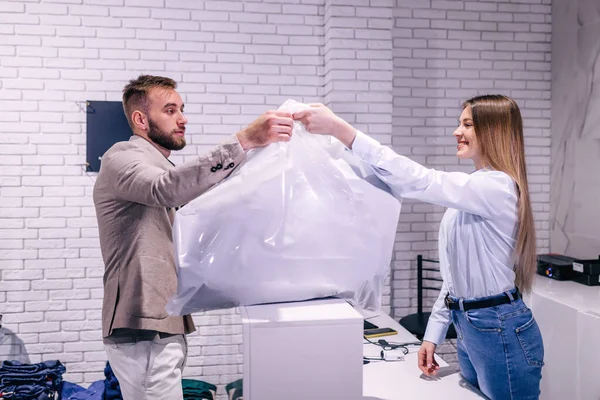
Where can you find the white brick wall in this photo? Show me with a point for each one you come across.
(232, 59)
(358, 69)
(396, 70)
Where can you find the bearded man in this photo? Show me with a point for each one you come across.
(136, 194)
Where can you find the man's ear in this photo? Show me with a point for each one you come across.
(139, 120)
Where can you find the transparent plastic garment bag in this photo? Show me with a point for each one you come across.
(298, 220)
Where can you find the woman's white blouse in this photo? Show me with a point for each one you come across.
(477, 232)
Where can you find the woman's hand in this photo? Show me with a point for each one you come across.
(426, 359)
(321, 120)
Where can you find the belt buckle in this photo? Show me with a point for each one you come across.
(448, 301)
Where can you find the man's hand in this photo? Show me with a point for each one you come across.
(427, 363)
(271, 127)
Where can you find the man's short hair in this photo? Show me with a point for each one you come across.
(135, 93)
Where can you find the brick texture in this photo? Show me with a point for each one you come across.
(397, 70)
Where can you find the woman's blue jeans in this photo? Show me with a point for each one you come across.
(500, 350)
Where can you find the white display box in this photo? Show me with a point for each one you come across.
(303, 350)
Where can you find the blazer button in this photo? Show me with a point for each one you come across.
(213, 169)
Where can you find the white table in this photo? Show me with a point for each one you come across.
(403, 379)
(568, 314)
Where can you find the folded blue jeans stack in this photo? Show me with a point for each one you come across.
(112, 389)
(21, 381)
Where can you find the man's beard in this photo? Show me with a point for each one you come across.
(169, 141)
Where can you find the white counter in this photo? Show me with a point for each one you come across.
(568, 314)
(403, 380)
(571, 294)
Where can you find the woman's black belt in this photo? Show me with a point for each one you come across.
(502, 298)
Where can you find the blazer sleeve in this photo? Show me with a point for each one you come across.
(137, 180)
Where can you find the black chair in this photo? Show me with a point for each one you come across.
(417, 323)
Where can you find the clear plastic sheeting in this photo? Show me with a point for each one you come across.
(298, 220)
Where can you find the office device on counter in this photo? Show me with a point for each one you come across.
(587, 272)
(555, 266)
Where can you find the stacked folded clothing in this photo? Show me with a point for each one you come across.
(21, 381)
(72, 391)
(235, 390)
(198, 390)
(112, 390)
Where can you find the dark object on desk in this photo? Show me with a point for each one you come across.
(589, 280)
(555, 266)
(377, 332)
(587, 272)
(417, 323)
(106, 125)
(588, 267)
(369, 325)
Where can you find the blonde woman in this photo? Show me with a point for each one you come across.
(486, 242)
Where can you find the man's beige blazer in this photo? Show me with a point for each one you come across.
(135, 195)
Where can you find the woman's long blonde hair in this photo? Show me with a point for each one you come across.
(499, 130)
